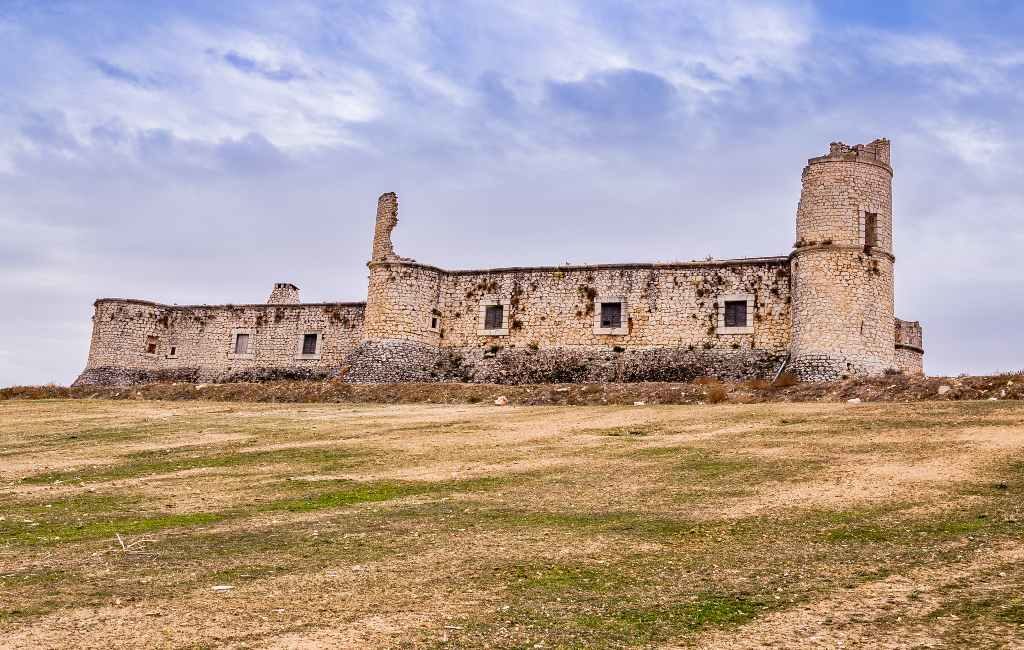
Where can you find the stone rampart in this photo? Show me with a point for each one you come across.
(135, 341)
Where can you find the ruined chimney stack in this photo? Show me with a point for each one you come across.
(284, 293)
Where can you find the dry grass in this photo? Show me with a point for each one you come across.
(363, 525)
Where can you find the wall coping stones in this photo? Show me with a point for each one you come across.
(743, 261)
(150, 303)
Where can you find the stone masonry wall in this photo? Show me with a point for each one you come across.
(664, 305)
(842, 302)
(203, 338)
(424, 324)
(402, 299)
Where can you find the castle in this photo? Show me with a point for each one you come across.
(823, 312)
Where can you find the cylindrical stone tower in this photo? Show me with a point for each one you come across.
(401, 324)
(842, 265)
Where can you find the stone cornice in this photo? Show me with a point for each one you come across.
(841, 247)
(847, 158)
(905, 346)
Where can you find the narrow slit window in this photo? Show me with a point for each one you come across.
(611, 314)
(309, 344)
(736, 313)
(871, 229)
(433, 323)
(241, 344)
(494, 317)
(174, 350)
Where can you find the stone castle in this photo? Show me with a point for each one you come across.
(824, 311)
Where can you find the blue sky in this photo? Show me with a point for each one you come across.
(198, 152)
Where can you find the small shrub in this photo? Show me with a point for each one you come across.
(785, 380)
(716, 393)
(533, 345)
(893, 371)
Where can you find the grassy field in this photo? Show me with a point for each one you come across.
(206, 524)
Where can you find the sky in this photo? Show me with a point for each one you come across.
(195, 152)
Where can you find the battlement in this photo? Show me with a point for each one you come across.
(876, 152)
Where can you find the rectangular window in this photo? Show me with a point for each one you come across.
(611, 314)
(870, 229)
(494, 317)
(174, 351)
(736, 313)
(151, 342)
(241, 344)
(433, 323)
(309, 344)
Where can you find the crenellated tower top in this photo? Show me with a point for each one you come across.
(876, 152)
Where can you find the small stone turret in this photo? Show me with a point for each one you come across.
(842, 265)
(284, 293)
(909, 347)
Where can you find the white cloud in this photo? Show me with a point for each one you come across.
(974, 143)
(196, 93)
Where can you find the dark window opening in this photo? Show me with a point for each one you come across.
(174, 350)
(151, 344)
(870, 229)
(433, 323)
(241, 344)
(736, 313)
(309, 344)
(611, 314)
(494, 317)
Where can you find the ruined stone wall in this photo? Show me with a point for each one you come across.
(202, 338)
(663, 305)
(387, 219)
(842, 284)
(425, 324)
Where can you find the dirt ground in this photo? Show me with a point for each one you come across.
(198, 523)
